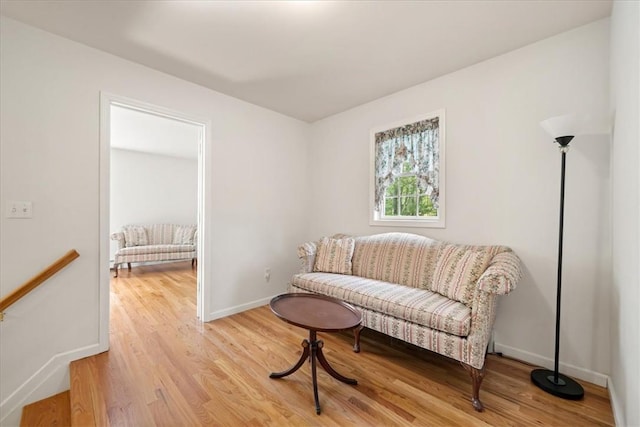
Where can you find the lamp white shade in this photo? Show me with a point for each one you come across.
(578, 124)
(567, 125)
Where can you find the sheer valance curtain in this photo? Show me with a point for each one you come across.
(411, 149)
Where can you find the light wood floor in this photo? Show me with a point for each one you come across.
(52, 412)
(166, 368)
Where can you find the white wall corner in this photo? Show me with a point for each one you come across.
(50, 379)
(618, 411)
(573, 371)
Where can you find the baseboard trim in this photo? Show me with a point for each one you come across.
(238, 308)
(545, 362)
(45, 382)
(618, 413)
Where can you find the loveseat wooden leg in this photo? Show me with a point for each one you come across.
(477, 375)
(129, 266)
(115, 268)
(356, 333)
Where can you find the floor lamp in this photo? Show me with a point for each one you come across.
(562, 129)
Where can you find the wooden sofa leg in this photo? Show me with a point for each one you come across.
(356, 333)
(115, 268)
(477, 375)
(129, 266)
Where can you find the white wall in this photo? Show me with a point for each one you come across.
(625, 291)
(152, 189)
(502, 183)
(50, 155)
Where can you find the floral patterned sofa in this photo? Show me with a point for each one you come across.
(436, 295)
(155, 242)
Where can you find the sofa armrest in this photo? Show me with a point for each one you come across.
(502, 275)
(500, 278)
(307, 254)
(119, 236)
(483, 316)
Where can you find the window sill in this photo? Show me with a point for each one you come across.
(423, 223)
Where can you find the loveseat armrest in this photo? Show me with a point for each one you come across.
(119, 236)
(502, 275)
(307, 254)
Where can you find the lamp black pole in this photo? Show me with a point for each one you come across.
(554, 382)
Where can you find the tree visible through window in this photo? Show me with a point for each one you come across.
(407, 172)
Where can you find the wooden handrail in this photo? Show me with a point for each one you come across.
(36, 280)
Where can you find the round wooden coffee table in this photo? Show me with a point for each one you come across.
(317, 313)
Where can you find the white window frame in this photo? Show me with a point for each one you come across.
(376, 218)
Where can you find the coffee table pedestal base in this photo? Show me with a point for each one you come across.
(312, 348)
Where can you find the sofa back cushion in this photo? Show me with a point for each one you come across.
(420, 262)
(184, 234)
(403, 258)
(159, 234)
(334, 255)
(458, 269)
(135, 235)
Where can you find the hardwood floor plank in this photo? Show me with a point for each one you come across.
(54, 411)
(165, 368)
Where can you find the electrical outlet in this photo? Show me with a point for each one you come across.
(267, 274)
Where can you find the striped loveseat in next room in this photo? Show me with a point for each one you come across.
(436, 295)
(155, 243)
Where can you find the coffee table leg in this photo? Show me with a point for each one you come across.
(312, 350)
(314, 376)
(325, 364)
(303, 357)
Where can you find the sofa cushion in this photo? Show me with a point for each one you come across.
(183, 234)
(403, 258)
(161, 234)
(458, 270)
(135, 235)
(334, 255)
(415, 305)
(157, 249)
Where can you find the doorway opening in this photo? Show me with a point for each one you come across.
(153, 170)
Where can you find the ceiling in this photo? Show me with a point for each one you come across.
(307, 59)
(135, 130)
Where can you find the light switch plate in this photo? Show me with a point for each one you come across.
(19, 209)
(12, 210)
(27, 209)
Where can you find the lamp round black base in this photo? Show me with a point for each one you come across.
(566, 388)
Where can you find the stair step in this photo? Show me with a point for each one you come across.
(52, 411)
(87, 401)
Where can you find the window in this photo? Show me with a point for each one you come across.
(407, 187)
